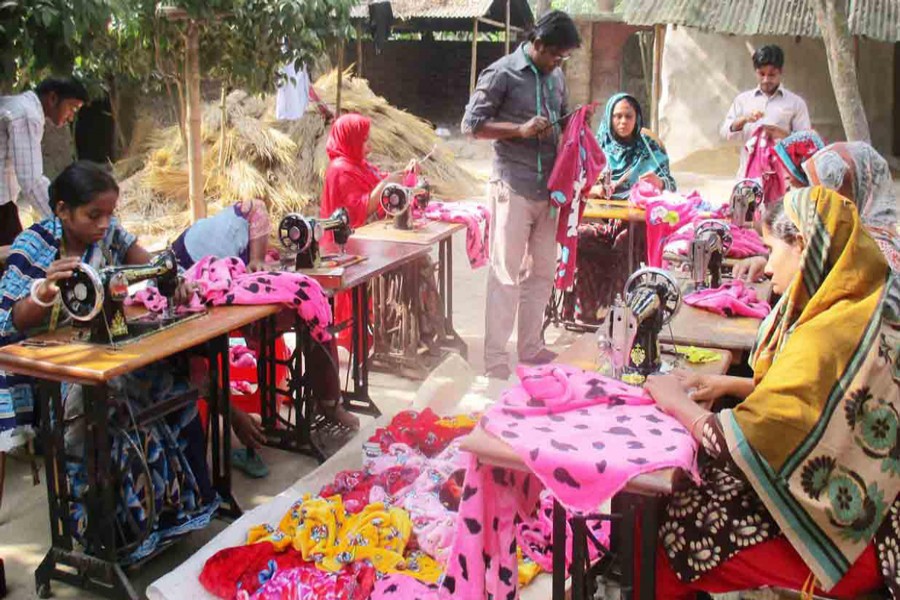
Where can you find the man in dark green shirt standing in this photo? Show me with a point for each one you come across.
(519, 103)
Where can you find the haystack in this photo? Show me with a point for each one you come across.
(282, 162)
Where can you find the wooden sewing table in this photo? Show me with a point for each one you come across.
(641, 494)
(295, 433)
(55, 358)
(426, 232)
(697, 327)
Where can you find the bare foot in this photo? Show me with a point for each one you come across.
(336, 413)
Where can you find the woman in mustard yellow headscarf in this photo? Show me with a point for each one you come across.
(801, 483)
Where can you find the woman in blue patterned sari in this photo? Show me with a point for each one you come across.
(161, 465)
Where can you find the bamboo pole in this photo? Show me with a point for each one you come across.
(359, 50)
(474, 75)
(659, 39)
(224, 118)
(340, 77)
(195, 147)
(507, 25)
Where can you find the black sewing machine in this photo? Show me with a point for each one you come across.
(301, 235)
(397, 201)
(746, 198)
(631, 327)
(711, 243)
(96, 299)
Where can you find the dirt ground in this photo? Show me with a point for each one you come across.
(24, 534)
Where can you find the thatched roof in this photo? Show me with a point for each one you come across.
(876, 19)
(451, 14)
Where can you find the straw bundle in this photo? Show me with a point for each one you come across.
(281, 162)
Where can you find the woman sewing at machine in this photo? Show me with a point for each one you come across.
(802, 473)
(83, 229)
(633, 154)
(354, 183)
(856, 171)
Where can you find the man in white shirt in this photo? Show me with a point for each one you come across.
(21, 163)
(769, 105)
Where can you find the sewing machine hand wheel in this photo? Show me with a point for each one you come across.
(662, 280)
(395, 199)
(297, 233)
(721, 228)
(82, 294)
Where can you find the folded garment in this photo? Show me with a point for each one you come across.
(424, 431)
(477, 219)
(733, 299)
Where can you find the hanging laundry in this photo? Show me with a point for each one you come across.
(381, 17)
(292, 96)
(578, 164)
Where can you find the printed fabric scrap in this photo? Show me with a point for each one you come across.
(323, 532)
(666, 214)
(260, 572)
(734, 299)
(424, 431)
(477, 219)
(622, 434)
(226, 282)
(764, 165)
(578, 164)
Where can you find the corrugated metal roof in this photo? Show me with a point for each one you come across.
(876, 19)
(431, 9)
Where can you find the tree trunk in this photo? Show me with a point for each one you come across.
(543, 6)
(195, 146)
(831, 16)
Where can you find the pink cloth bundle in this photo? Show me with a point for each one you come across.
(473, 216)
(241, 357)
(226, 282)
(665, 214)
(745, 242)
(733, 299)
(583, 436)
(152, 300)
(763, 164)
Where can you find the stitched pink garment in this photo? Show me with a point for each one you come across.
(665, 215)
(476, 218)
(583, 436)
(226, 282)
(763, 164)
(578, 164)
(745, 242)
(733, 299)
(433, 523)
(403, 587)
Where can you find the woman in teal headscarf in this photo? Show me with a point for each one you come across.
(632, 153)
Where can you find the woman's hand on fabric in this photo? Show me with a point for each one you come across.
(255, 266)
(184, 292)
(668, 392)
(750, 269)
(535, 127)
(247, 430)
(57, 271)
(653, 178)
(701, 388)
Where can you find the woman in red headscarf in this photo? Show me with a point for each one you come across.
(351, 181)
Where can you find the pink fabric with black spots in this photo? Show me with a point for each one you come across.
(226, 282)
(733, 299)
(404, 587)
(583, 436)
(476, 218)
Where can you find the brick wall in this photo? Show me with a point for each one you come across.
(427, 78)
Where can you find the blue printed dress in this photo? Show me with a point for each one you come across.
(164, 487)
